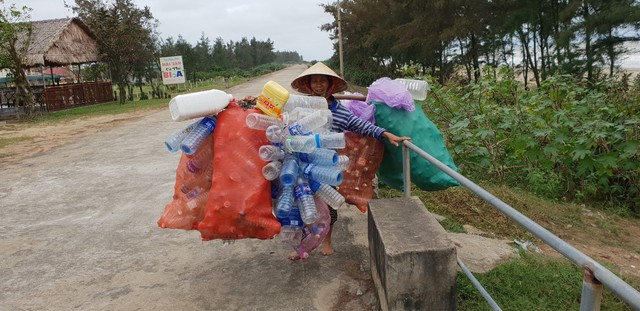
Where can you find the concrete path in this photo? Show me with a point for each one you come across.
(78, 231)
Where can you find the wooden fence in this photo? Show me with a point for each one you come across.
(54, 98)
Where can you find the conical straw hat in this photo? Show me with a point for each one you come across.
(301, 83)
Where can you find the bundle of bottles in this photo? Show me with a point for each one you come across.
(303, 164)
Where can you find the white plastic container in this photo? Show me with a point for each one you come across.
(199, 104)
(417, 88)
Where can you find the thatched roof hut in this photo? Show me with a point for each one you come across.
(64, 41)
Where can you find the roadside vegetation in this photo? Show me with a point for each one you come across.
(566, 155)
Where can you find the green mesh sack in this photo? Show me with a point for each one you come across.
(426, 136)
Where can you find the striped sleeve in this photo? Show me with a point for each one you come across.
(343, 120)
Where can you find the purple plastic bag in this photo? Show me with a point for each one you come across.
(393, 93)
(360, 109)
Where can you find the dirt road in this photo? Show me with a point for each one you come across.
(78, 231)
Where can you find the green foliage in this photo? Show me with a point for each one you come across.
(563, 140)
(530, 283)
(9, 141)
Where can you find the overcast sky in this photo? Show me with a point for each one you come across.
(293, 25)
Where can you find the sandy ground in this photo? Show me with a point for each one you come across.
(41, 138)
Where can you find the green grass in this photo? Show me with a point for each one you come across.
(114, 108)
(7, 141)
(532, 282)
(110, 108)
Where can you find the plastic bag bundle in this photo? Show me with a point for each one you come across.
(391, 92)
(360, 109)
(191, 190)
(365, 155)
(239, 205)
(426, 136)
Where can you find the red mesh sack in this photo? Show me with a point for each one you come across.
(239, 205)
(191, 190)
(365, 155)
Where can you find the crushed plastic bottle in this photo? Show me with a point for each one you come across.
(192, 142)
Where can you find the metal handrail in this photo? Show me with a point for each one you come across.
(595, 275)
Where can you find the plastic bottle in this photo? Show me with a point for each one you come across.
(320, 157)
(289, 171)
(304, 198)
(284, 202)
(192, 142)
(200, 160)
(270, 153)
(198, 104)
(309, 123)
(274, 133)
(258, 121)
(271, 171)
(315, 102)
(200, 200)
(304, 144)
(327, 194)
(173, 142)
(417, 88)
(322, 174)
(331, 140)
(343, 162)
(272, 99)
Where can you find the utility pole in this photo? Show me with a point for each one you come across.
(340, 41)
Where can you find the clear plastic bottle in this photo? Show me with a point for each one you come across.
(173, 142)
(417, 88)
(304, 198)
(200, 200)
(289, 171)
(309, 123)
(343, 162)
(320, 156)
(274, 133)
(198, 104)
(200, 160)
(270, 153)
(331, 140)
(194, 140)
(284, 202)
(258, 121)
(271, 171)
(327, 194)
(315, 102)
(304, 144)
(322, 174)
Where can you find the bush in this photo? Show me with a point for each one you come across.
(563, 140)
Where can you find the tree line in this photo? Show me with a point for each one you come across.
(207, 58)
(129, 42)
(546, 37)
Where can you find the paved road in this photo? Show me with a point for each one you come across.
(78, 231)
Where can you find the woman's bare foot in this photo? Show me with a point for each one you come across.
(326, 249)
(293, 256)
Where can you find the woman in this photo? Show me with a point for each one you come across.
(320, 80)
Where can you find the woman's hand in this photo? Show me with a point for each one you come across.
(394, 139)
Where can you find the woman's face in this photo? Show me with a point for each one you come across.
(319, 85)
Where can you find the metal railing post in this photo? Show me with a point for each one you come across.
(591, 292)
(406, 172)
